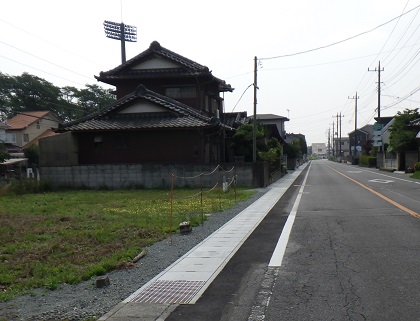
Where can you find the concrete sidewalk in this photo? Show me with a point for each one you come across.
(185, 280)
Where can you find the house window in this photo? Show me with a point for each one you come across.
(181, 92)
(26, 138)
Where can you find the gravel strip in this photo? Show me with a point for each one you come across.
(86, 302)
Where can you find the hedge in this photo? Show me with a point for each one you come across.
(368, 161)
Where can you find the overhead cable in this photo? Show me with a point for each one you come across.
(341, 41)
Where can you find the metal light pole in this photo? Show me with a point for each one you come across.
(120, 31)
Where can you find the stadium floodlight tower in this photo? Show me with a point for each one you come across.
(120, 31)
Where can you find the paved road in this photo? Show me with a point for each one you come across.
(353, 253)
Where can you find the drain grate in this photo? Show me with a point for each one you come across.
(162, 291)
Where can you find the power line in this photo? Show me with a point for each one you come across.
(241, 96)
(54, 64)
(46, 72)
(341, 41)
(52, 44)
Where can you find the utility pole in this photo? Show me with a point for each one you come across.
(339, 131)
(333, 139)
(379, 86)
(329, 142)
(254, 136)
(338, 151)
(355, 122)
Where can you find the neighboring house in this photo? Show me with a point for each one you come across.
(416, 125)
(171, 75)
(168, 122)
(274, 123)
(3, 127)
(26, 127)
(342, 145)
(385, 123)
(169, 110)
(319, 150)
(362, 137)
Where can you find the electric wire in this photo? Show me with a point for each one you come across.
(46, 72)
(241, 97)
(340, 41)
(45, 60)
(52, 44)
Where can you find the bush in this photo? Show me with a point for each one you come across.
(417, 166)
(26, 186)
(368, 161)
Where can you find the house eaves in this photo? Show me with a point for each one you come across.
(187, 68)
(175, 115)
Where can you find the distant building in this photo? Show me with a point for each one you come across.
(26, 127)
(319, 149)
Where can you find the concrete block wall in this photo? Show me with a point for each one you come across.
(120, 176)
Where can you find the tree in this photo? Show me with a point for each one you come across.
(243, 141)
(31, 93)
(403, 138)
(3, 153)
(293, 150)
(93, 98)
(273, 153)
(297, 148)
(32, 154)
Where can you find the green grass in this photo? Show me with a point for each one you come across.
(416, 174)
(65, 237)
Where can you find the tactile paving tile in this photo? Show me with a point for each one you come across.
(163, 291)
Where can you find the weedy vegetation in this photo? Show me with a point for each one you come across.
(51, 238)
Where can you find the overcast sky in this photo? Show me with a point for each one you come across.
(64, 43)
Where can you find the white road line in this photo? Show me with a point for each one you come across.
(280, 249)
(393, 177)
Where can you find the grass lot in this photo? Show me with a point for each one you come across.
(65, 237)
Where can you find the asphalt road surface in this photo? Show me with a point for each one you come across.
(353, 253)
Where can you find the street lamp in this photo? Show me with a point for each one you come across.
(120, 31)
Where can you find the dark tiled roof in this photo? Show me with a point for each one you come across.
(235, 119)
(138, 121)
(415, 122)
(177, 115)
(270, 117)
(187, 67)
